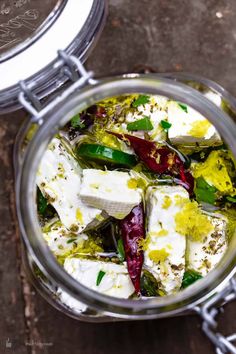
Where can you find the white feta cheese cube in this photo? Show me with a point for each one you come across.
(109, 191)
(214, 97)
(60, 240)
(59, 179)
(156, 110)
(107, 278)
(71, 302)
(164, 254)
(204, 256)
(190, 127)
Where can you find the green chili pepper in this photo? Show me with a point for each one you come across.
(106, 155)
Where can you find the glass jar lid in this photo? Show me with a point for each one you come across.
(22, 22)
(31, 33)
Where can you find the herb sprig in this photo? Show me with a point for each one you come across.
(76, 122)
(100, 277)
(141, 100)
(184, 107)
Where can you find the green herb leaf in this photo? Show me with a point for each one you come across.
(120, 250)
(71, 240)
(100, 276)
(149, 285)
(205, 192)
(165, 125)
(231, 199)
(76, 122)
(184, 107)
(142, 99)
(190, 276)
(141, 124)
(41, 202)
(44, 209)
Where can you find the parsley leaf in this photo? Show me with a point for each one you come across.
(205, 192)
(42, 202)
(120, 249)
(165, 125)
(231, 199)
(141, 124)
(184, 107)
(190, 276)
(100, 276)
(76, 122)
(142, 99)
(44, 208)
(71, 240)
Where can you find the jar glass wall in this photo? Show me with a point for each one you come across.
(46, 273)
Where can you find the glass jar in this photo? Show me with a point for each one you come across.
(44, 271)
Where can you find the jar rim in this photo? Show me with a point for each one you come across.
(26, 196)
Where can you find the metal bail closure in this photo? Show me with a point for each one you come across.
(68, 65)
(28, 99)
(209, 311)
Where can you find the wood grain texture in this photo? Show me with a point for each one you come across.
(12, 319)
(168, 36)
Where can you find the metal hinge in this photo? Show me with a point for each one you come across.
(210, 310)
(70, 66)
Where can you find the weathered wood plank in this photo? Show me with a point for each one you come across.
(193, 36)
(12, 321)
(181, 335)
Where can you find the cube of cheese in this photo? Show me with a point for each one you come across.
(71, 302)
(59, 179)
(60, 240)
(204, 256)
(155, 109)
(213, 97)
(109, 191)
(189, 128)
(105, 277)
(164, 253)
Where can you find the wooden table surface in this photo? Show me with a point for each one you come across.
(198, 36)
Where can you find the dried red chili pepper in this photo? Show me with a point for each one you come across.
(97, 111)
(159, 160)
(187, 179)
(185, 176)
(133, 231)
(100, 112)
